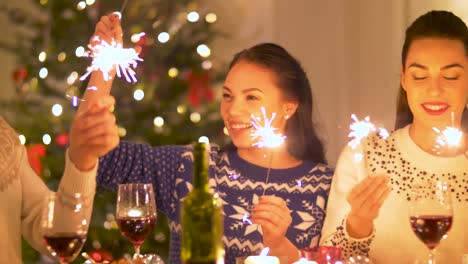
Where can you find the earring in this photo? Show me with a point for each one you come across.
(286, 117)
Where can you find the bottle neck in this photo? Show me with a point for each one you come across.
(200, 167)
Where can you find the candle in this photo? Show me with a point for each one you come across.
(261, 260)
(305, 261)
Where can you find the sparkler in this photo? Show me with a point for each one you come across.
(112, 56)
(266, 136)
(450, 137)
(359, 131)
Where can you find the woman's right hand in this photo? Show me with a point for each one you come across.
(366, 199)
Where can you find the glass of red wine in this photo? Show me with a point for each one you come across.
(136, 213)
(64, 226)
(431, 214)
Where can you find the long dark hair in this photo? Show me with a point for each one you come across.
(303, 141)
(434, 24)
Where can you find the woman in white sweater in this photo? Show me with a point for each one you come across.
(22, 192)
(367, 211)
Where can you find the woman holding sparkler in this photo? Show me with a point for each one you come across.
(368, 212)
(272, 197)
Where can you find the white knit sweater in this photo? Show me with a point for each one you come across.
(393, 240)
(22, 193)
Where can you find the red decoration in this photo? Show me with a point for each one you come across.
(200, 88)
(19, 75)
(61, 140)
(35, 153)
(100, 255)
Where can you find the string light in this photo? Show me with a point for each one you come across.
(80, 51)
(173, 72)
(57, 109)
(211, 18)
(61, 56)
(181, 109)
(193, 16)
(80, 6)
(158, 121)
(163, 37)
(138, 94)
(43, 72)
(195, 117)
(42, 56)
(203, 50)
(46, 139)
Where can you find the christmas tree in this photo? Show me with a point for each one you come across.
(171, 103)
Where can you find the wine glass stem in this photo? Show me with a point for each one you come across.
(432, 259)
(137, 252)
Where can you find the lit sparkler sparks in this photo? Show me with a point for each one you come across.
(362, 129)
(112, 56)
(246, 220)
(450, 137)
(265, 134)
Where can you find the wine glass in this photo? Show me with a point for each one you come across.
(64, 226)
(136, 213)
(431, 213)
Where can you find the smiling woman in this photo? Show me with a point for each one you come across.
(291, 214)
(369, 214)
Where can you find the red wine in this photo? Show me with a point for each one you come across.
(64, 246)
(431, 228)
(136, 229)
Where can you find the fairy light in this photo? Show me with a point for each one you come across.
(80, 6)
(122, 132)
(43, 72)
(173, 72)
(46, 139)
(61, 56)
(226, 131)
(71, 79)
(158, 121)
(195, 117)
(163, 37)
(138, 94)
(203, 50)
(90, 2)
(193, 16)
(181, 109)
(265, 135)
(211, 18)
(42, 56)
(57, 109)
(108, 57)
(206, 65)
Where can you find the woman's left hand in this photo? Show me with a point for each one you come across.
(273, 215)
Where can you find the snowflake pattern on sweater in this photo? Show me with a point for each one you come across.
(239, 184)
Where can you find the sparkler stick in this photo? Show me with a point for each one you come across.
(267, 138)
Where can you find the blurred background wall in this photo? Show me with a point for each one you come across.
(350, 50)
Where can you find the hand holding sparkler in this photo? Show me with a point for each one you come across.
(272, 214)
(368, 195)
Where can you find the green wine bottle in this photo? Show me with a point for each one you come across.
(201, 216)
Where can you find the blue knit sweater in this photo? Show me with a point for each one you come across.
(239, 184)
